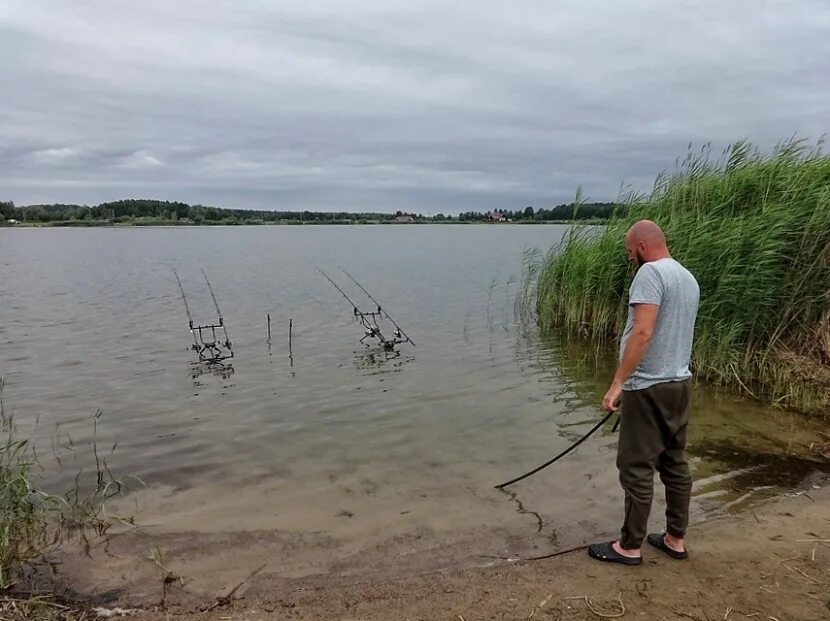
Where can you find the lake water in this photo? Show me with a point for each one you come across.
(338, 440)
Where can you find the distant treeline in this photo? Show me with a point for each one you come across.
(170, 212)
(565, 211)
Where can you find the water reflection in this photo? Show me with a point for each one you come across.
(732, 475)
(380, 360)
(212, 369)
(290, 357)
(740, 450)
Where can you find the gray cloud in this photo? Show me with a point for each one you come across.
(384, 104)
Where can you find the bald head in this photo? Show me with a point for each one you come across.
(645, 242)
(647, 231)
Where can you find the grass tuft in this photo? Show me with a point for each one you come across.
(33, 522)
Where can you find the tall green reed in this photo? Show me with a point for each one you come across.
(754, 229)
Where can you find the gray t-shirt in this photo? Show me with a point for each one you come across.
(671, 286)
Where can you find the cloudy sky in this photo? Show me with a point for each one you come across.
(388, 104)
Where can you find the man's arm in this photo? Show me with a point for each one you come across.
(645, 318)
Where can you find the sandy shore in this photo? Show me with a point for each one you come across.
(770, 563)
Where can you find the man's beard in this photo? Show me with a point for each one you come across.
(640, 261)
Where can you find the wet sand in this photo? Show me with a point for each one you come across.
(771, 562)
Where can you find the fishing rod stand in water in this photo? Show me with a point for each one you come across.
(210, 341)
(211, 349)
(369, 319)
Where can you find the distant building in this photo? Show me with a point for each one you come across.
(404, 219)
(495, 216)
(11, 221)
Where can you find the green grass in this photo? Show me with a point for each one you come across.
(33, 523)
(754, 229)
(23, 509)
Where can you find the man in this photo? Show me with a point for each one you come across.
(653, 383)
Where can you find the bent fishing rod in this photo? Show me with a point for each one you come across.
(563, 453)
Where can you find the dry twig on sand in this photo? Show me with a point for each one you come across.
(539, 606)
(810, 578)
(225, 600)
(587, 601)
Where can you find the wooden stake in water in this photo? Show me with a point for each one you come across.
(269, 327)
(290, 345)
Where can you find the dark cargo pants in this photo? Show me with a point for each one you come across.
(653, 435)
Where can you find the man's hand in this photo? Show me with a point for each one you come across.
(611, 400)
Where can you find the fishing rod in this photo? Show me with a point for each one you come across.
(208, 348)
(186, 308)
(343, 293)
(218, 312)
(184, 297)
(406, 338)
(368, 319)
(562, 454)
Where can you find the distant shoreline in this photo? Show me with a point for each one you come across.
(175, 224)
(147, 212)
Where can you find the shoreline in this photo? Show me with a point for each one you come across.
(771, 562)
(81, 224)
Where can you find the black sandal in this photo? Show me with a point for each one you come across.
(606, 552)
(658, 541)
